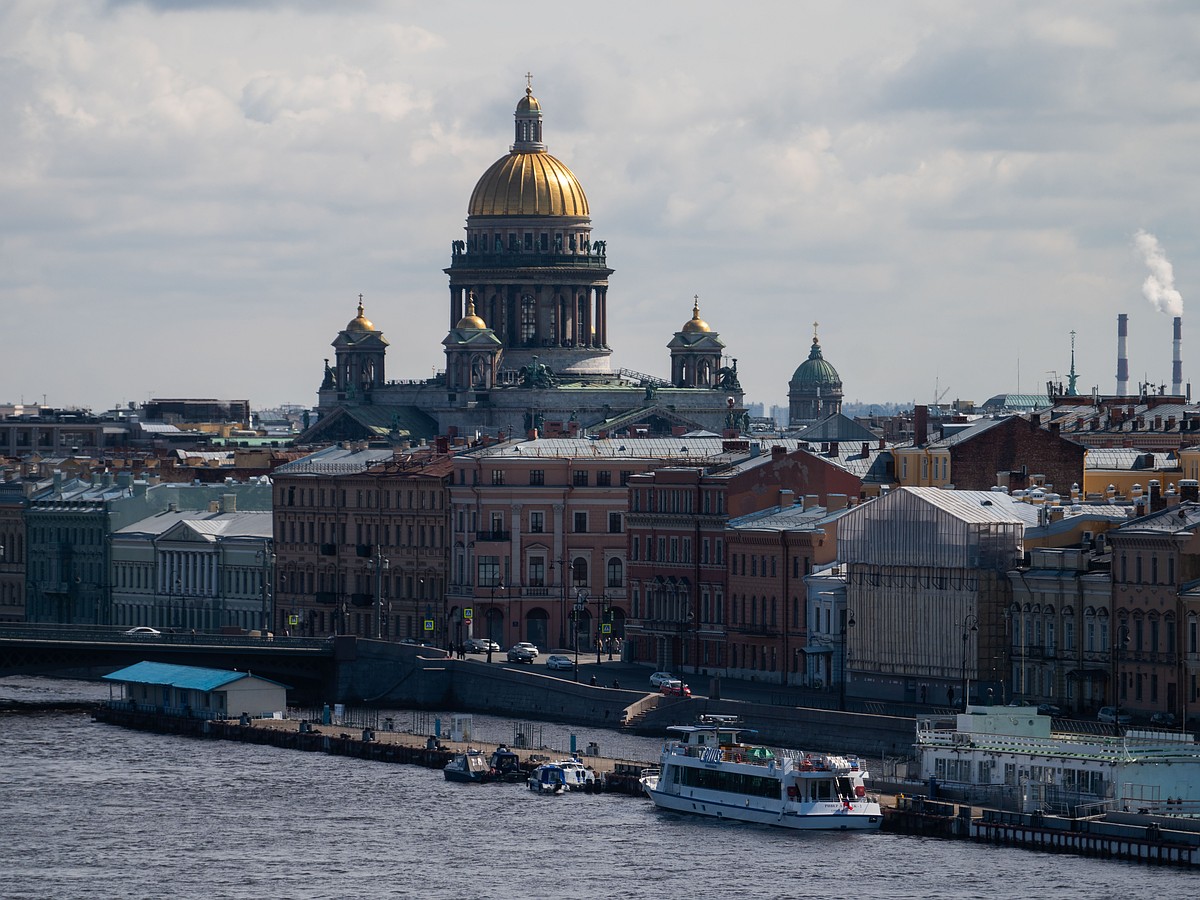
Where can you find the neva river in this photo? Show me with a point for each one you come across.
(95, 811)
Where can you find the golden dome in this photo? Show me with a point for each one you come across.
(470, 320)
(360, 324)
(528, 184)
(695, 323)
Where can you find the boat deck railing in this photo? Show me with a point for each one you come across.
(767, 757)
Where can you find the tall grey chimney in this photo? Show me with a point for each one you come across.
(1122, 355)
(1176, 361)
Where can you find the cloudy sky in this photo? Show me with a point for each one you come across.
(192, 194)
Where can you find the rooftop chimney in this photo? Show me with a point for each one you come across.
(1176, 360)
(1122, 355)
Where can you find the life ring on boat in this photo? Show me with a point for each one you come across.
(793, 791)
(860, 791)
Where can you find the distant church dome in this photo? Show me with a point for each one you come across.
(815, 371)
(695, 323)
(360, 324)
(528, 181)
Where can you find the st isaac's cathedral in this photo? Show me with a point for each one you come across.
(527, 342)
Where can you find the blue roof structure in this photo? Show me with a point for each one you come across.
(192, 678)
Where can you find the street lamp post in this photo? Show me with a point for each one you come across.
(381, 563)
(580, 605)
(562, 604)
(504, 617)
(1122, 641)
(601, 602)
(970, 626)
(847, 624)
(267, 557)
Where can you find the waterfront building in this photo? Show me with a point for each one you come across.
(166, 688)
(926, 583)
(361, 543)
(528, 329)
(539, 535)
(769, 555)
(205, 570)
(12, 550)
(1156, 611)
(677, 544)
(69, 525)
(1058, 650)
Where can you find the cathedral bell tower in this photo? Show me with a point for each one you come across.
(360, 348)
(695, 353)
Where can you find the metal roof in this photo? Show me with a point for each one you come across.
(977, 507)
(191, 678)
(337, 460)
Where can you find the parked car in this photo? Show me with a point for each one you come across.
(144, 629)
(522, 652)
(1108, 715)
(1049, 709)
(1163, 719)
(676, 688)
(559, 662)
(658, 679)
(480, 645)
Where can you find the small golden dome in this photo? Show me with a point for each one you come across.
(470, 320)
(360, 324)
(529, 103)
(695, 323)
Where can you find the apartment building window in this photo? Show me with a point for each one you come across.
(579, 478)
(580, 520)
(635, 549)
(625, 476)
(489, 571)
(616, 573)
(1068, 636)
(604, 479)
(687, 550)
(537, 476)
(497, 524)
(579, 572)
(497, 476)
(537, 571)
(614, 523)
(662, 549)
(674, 549)
(537, 522)
(704, 548)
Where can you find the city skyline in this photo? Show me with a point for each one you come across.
(197, 193)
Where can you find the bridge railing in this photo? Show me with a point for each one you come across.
(93, 634)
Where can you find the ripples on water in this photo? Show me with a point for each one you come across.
(94, 811)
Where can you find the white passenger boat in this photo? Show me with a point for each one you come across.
(709, 770)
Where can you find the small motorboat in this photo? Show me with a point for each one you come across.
(505, 765)
(548, 778)
(469, 766)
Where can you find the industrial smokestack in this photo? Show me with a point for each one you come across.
(1176, 361)
(1122, 355)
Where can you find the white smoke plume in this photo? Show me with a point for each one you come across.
(1159, 286)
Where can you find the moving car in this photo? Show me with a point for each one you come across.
(522, 652)
(676, 688)
(1109, 715)
(559, 662)
(480, 645)
(658, 679)
(143, 629)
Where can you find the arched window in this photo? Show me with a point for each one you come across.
(579, 572)
(528, 319)
(616, 573)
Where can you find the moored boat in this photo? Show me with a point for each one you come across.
(548, 778)
(505, 765)
(577, 776)
(711, 769)
(469, 767)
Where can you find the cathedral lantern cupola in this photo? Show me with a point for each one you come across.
(695, 352)
(815, 391)
(360, 349)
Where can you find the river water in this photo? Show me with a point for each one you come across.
(96, 811)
